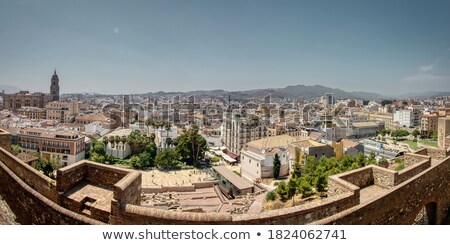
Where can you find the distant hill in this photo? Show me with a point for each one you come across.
(9, 89)
(295, 91)
(423, 95)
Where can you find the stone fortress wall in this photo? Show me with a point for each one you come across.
(36, 199)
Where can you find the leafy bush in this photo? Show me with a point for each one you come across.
(305, 188)
(276, 166)
(271, 196)
(283, 191)
(400, 167)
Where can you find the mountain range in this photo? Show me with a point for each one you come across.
(9, 89)
(302, 92)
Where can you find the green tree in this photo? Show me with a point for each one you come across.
(361, 160)
(415, 133)
(135, 162)
(296, 170)
(271, 196)
(372, 159)
(16, 149)
(95, 157)
(276, 166)
(321, 183)
(399, 133)
(191, 146)
(98, 147)
(292, 187)
(47, 167)
(98, 153)
(305, 188)
(283, 191)
(168, 159)
(434, 135)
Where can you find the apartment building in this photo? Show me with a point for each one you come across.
(32, 112)
(237, 130)
(428, 124)
(62, 111)
(66, 147)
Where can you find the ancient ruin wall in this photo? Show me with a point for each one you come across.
(31, 207)
(414, 169)
(302, 214)
(360, 177)
(28, 174)
(402, 204)
(103, 174)
(70, 176)
(128, 189)
(384, 177)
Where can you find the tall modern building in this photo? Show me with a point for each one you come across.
(330, 98)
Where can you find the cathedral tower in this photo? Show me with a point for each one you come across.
(54, 87)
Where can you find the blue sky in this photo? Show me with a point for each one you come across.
(388, 47)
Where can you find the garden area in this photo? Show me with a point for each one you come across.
(309, 181)
(187, 152)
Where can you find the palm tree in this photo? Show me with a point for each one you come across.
(168, 126)
(131, 141)
(111, 141)
(117, 140)
(105, 140)
(123, 139)
(169, 142)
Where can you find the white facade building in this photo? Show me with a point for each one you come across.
(405, 118)
(118, 149)
(97, 128)
(257, 157)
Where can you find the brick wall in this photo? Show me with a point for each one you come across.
(29, 175)
(128, 189)
(402, 204)
(105, 175)
(70, 176)
(361, 177)
(414, 169)
(31, 207)
(384, 177)
(5, 140)
(92, 172)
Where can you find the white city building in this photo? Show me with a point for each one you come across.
(405, 118)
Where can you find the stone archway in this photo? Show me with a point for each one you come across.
(427, 215)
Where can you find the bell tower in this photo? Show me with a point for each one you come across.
(54, 87)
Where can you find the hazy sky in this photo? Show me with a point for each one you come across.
(389, 47)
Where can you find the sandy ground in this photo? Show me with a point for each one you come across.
(155, 178)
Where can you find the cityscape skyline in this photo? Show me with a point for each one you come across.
(139, 47)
